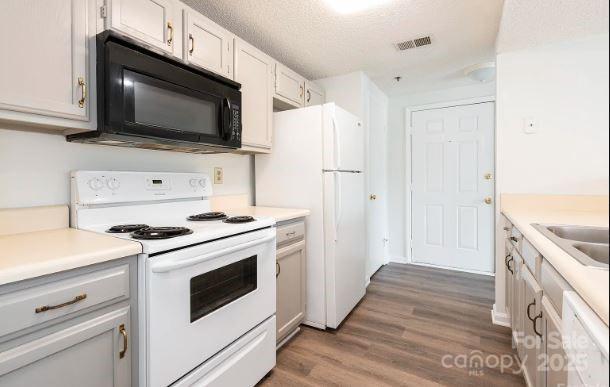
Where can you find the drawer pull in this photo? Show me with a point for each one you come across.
(123, 333)
(51, 307)
(291, 234)
(514, 239)
(278, 269)
(535, 326)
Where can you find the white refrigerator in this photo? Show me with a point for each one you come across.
(318, 163)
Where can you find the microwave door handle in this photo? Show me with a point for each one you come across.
(175, 264)
(227, 124)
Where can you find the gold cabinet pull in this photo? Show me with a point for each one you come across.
(123, 333)
(83, 88)
(170, 28)
(192, 41)
(76, 299)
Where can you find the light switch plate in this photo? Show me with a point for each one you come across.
(218, 175)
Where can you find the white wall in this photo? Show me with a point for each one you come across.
(563, 87)
(35, 167)
(399, 158)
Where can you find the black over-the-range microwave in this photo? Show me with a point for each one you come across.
(147, 99)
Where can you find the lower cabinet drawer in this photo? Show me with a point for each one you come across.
(243, 363)
(291, 232)
(35, 305)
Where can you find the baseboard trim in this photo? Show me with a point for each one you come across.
(287, 338)
(397, 259)
(497, 318)
(314, 324)
(453, 269)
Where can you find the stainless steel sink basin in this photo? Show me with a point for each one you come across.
(581, 234)
(589, 245)
(598, 252)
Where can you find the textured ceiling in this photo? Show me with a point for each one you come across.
(313, 39)
(527, 23)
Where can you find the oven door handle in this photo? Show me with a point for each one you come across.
(164, 267)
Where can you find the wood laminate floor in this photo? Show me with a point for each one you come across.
(416, 326)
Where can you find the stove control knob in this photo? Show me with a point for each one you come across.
(193, 183)
(113, 183)
(203, 183)
(95, 184)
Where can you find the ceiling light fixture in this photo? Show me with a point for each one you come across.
(482, 72)
(353, 6)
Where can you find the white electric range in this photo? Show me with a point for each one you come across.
(206, 280)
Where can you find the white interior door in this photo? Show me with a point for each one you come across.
(377, 219)
(452, 169)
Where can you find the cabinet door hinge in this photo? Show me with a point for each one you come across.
(103, 12)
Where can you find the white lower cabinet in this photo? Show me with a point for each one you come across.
(291, 280)
(90, 353)
(76, 328)
(44, 66)
(254, 71)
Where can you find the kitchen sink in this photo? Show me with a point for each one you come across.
(581, 234)
(597, 251)
(589, 245)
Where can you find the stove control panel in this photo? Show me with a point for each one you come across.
(100, 187)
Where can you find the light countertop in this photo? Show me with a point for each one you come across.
(279, 214)
(591, 284)
(33, 254)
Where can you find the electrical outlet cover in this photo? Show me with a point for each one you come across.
(218, 175)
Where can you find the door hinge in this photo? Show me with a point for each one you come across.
(103, 12)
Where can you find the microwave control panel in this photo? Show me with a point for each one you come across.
(235, 130)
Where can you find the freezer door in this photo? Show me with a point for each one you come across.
(345, 248)
(343, 140)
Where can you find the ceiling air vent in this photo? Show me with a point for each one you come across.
(408, 44)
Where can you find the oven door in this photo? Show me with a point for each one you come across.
(203, 298)
(149, 96)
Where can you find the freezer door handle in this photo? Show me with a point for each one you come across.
(338, 204)
(337, 144)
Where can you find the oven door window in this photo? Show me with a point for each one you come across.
(153, 103)
(217, 288)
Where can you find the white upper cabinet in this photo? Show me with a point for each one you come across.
(207, 45)
(314, 95)
(43, 70)
(289, 86)
(151, 21)
(254, 70)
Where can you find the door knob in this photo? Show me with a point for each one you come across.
(488, 200)
(373, 197)
(488, 176)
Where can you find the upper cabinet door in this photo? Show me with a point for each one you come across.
(254, 70)
(151, 21)
(207, 45)
(289, 86)
(43, 69)
(314, 95)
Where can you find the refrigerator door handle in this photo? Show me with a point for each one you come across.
(337, 144)
(338, 204)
